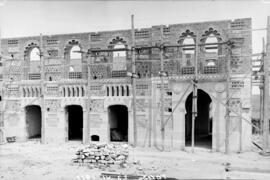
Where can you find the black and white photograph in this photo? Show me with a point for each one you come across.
(134, 89)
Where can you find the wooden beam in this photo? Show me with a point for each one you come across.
(194, 97)
(43, 140)
(227, 123)
(133, 81)
(162, 90)
(266, 90)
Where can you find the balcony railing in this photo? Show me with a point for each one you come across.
(34, 76)
(75, 75)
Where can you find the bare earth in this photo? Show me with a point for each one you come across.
(32, 160)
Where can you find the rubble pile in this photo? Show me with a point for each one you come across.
(102, 154)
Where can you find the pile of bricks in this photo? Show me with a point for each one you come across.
(102, 154)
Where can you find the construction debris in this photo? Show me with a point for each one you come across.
(102, 155)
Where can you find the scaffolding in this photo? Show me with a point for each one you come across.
(263, 82)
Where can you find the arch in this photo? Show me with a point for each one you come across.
(73, 91)
(69, 91)
(117, 91)
(74, 52)
(108, 91)
(112, 93)
(122, 90)
(211, 38)
(32, 91)
(64, 92)
(82, 91)
(94, 138)
(40, 91)
(28, 92)
(33, 121)
(34, 54)
(187, 38)
(203, 121)
(118, 122)
(37, 93)
(71, 69)
(117, 54)
(74, 119)
(190, 41)
(127, 90)
(78, 91)
(24, 92)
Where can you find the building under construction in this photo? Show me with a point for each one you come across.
(132, 86)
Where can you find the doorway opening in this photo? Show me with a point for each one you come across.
(33, 121)
(203, 121)
(118, 123)
(75, 122)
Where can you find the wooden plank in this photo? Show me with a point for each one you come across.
(246, 169)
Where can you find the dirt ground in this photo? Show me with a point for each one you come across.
(32, 160)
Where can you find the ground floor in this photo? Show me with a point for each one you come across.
(32, 160)
(110, 118)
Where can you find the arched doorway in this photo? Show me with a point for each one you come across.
(33, 121)
(118, 123)
(203, 121)
(74, 115)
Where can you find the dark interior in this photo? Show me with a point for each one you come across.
(33, 121)
(118, 119)
(203, 122)
(75, 122)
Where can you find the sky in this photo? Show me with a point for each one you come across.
(30, 18)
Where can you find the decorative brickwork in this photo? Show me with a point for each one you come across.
(96, 105)
(52, 105)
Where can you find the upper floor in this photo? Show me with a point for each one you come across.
(78, 56)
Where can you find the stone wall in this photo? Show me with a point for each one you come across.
(99, 80)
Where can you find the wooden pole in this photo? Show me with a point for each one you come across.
(162, 89)
(2, 139)
(194, 97)
(227, 124)
(88, 94)
(261, 109)
(150, 115)
(42, 103)
(266, 90)
(133, 81)
(261, 90)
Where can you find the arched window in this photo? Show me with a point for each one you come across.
(127, 90)
(82, 91)
(24, 92)
(117, 91)
(112, 91)
(116, 54)
(73, 91)
(108, 91)
(190, 49)
(122, 90)
(35, 54)
(78, 92)
(74, 54)
(71, 69)
(211, 48)
(69, 91)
